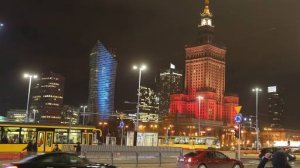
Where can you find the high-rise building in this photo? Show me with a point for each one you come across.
(103, 67)
(204, 77)
(47, 98)
(170, 82)
(275, 107)
(148, 105)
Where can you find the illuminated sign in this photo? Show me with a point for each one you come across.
(172, 66)
(238, 118)
(271, 89)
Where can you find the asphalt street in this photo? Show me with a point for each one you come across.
(249, 163)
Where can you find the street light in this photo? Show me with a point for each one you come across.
(153, 126)
(141, 68)
(199, 108)
(30, 76)
(84, 107)
(256, 90)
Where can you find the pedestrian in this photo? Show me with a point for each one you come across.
(34, 148)
(4, 140)
(278, 160)
(56, 148)
(29, 148)
(78, 149)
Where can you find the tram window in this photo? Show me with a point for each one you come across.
(49, 139)
(10, 135)
(75, 136)
(28, 134)
(61, 136)
(200, 141)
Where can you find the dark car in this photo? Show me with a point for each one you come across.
(207, 159)
(56, 160)
(289, 154)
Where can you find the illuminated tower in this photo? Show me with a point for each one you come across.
(47, 98)
(170, 82)
(203, 104)
(205, 64)
(275, 107)
(204, 75)
(103, 67)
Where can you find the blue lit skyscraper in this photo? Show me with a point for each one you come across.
(103, 67)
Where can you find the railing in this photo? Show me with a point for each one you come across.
(121, 155)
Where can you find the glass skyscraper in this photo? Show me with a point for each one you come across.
(275, 107)
(103, 67)
(170, 82)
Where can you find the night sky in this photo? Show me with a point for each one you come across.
(262, 40)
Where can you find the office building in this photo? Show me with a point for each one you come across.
(275, 107)
(170, 82)
(47, 98)
(148, 105)
(16, 115)
(70, 115)
(103, 67)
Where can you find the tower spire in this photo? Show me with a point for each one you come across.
(206, 29)
(206, 11)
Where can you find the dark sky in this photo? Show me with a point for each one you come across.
(262, 40)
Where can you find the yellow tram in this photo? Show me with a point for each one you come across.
(15, 136)
(190, 142)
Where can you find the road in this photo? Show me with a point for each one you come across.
(252, 163)
(249, 163)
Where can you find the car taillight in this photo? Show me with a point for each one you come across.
(189, 160)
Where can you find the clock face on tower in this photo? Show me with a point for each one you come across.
(206, 21)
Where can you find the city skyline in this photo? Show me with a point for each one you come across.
(262, 48)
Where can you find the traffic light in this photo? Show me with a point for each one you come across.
(236, 131)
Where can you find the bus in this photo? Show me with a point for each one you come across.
(15, 136)
(190, 142)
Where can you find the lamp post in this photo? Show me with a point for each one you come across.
(199, 108)
(84, 107)
(34, 112)
(30, 76)
(256, 90)
(141, 68)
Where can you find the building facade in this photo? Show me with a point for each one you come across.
(103, 68)
(70, 115)
(204, 97)
(170, 82)
(16, 115)
(47, 98)
(148, 105)
(275, 107)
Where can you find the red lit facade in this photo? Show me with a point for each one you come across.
(205, 77)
